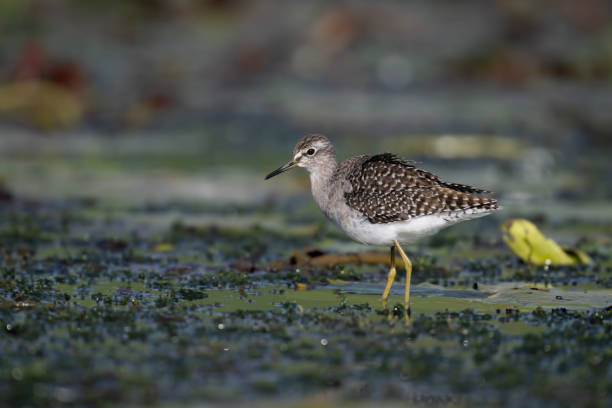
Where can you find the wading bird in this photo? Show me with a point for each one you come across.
(383, 199)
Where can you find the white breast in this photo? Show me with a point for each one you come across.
(408, 231)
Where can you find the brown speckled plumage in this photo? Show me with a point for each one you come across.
(386, 188)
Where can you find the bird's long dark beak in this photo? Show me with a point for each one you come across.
(282, 169)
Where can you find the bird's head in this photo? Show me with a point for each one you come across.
(311, 152)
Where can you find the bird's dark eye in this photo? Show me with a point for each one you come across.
(310, 152)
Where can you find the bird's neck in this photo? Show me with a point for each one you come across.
(320, 183)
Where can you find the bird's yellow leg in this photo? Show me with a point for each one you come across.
(390, 279)
(408, 267)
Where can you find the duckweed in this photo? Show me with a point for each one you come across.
(109, 317)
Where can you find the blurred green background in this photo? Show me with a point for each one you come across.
(160, 100)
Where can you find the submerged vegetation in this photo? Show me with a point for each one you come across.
(191, 312)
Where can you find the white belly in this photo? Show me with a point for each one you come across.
(405, 232)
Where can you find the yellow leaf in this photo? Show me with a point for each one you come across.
(44, 104)
(526, 241)
(577, 255)
(164, 247)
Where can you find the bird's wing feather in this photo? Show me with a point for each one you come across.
(387, 188)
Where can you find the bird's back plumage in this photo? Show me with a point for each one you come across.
(386, 188)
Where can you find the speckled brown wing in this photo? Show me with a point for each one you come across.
(386, 188)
